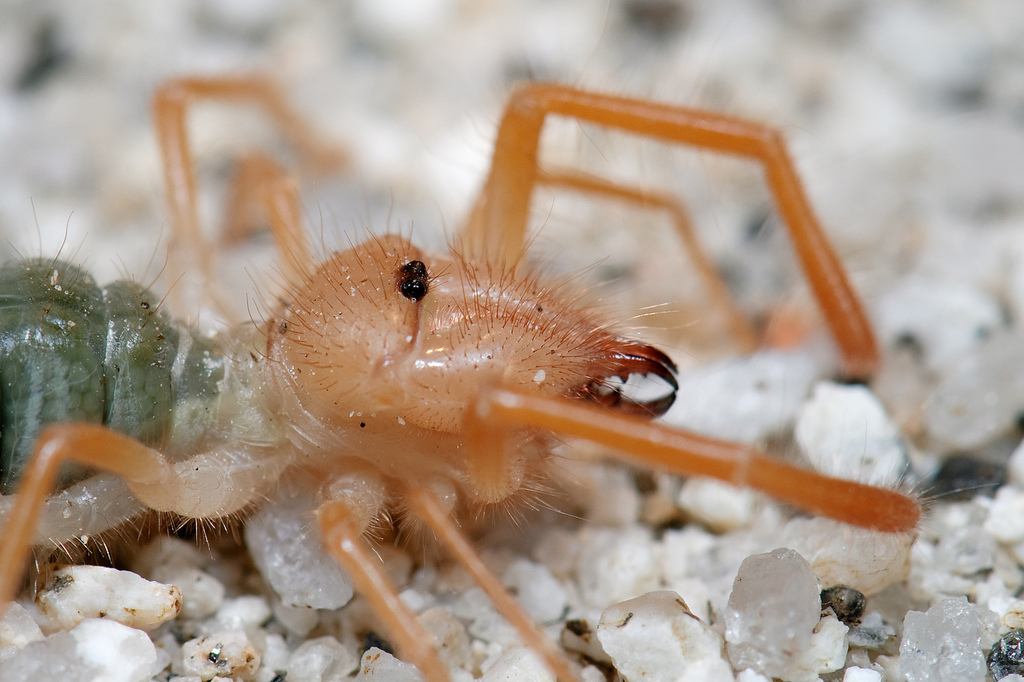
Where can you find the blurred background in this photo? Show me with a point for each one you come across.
(906, 120)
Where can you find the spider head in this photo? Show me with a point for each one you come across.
(385, 329)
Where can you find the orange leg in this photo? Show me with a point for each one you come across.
(342, 537)
(89, 444)
(426, 506)
(497, 224)
(682, 452)
(261, 185)
(208, 485)
(738, 324)
(170, 109)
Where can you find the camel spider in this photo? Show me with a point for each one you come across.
(396, 378)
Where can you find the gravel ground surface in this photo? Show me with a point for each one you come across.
(906, 121)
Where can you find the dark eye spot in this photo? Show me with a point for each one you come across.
(412, 280)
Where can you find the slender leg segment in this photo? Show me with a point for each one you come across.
(170, 110)
(497, 225)
(737, 322)
(89, 444)
(207, 485)
(425, 505)
(262, 186)
(681, 452)
(342, 536)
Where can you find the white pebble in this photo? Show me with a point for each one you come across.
(655, 637)
(682, 549)
(944, 644)
(517, 665)
(1013, 616)
(557, 549)
(947, 318)
(274, 660)
(904, 386)
(167, 551)
(75, 593)
(963, 549)
(840, 554)
(487, 653)
(926, 583)
(749, 675)
(485, 623)
(17, 628)
(450, 638)
(537, 590)
(872, 633)
(826, 653)
(855, 674)
(890, 666)
(228, 654)
(95, 650)
(845, 432)
(285, 545)
(381, 666)
(1005, 520)
(994, 594)
(241, 613)
(120, 652)
(977, 399)
(697, 595)
(323, 658)
(743, 399)
(773, 609)
(55, 658)
(201, 593)
(167, 649)
(707, 670)
(718, 505)
(297, 620)
(416, 600)
(608, 494)
(615, 565)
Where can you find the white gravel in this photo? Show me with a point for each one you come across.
(905, 123)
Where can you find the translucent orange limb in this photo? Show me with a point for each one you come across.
(497, 225)
(425, 506)
(682, 452)
(342, 538)
(261, 185)
(738, 324)
(89, 444)
(170, 109)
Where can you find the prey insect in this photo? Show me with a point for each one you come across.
(388, 379)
